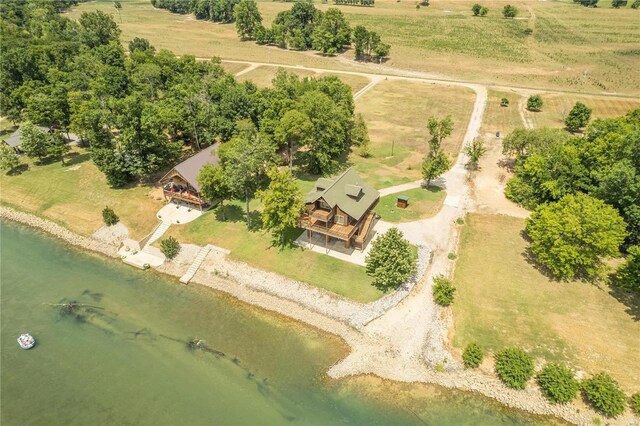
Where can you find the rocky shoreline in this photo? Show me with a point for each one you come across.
(235, 281)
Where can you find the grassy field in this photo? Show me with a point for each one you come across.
(557, 106)
(498, 118)
(263, 75)
(396, 113)
(75, 194)
(503, 300)
(254, 248)
(571, 47)
(423, 203)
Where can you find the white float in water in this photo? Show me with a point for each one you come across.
(26, 341)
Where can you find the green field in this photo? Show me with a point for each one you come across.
(503, 300)
(75, 194)
(423, 203)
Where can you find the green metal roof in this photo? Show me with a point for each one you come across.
(403, 197)
(348, 191)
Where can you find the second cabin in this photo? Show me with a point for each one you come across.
(341, 208)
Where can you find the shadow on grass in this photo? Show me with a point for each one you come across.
(74, 158)
(18, 170)
(628, 298)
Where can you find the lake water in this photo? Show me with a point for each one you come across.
(122, 356)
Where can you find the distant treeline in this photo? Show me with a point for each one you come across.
(212, 10)
(370, 3)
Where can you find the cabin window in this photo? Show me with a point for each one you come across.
(324, 205)
(340, 219)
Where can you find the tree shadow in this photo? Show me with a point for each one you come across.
(74, 158)
(629, 299)
(18, 170)
(507, 163)
(229, 213)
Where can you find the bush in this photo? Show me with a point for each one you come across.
(634, 403)
(109, 216)
(558, 383)
(604, 394)
(452, 256)
(472, 355)
(514, 367)
(443, 290)
(170, 247)
(534, 103)
(504, 102)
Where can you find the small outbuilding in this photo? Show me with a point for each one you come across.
(15, 140)
(402, 201)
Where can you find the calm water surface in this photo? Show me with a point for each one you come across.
(123, 357)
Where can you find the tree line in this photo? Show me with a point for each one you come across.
(585, 191)
(370, 3)
(139, 112)
(212, 10)
(303, 27)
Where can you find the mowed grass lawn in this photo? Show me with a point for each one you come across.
(396, 113)
(557, 106)
(503, 300)
(255, 248)
(75, 194)
(423, 203)
(501, 119)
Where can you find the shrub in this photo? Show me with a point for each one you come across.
(472, 355)
(109, 216)
(170, 247)
(452, 256)
(604, 394)
(534, 103)
(510, 11)
(634, 403)
(460, 221)
(558, 383)
(514, 367)
(484, 11)
(443, 290)
(504, 102)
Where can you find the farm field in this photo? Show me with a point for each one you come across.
(423, 203)
(263, 75)
(396, 123)
(557, 106)
(571, 47)
(503, 300)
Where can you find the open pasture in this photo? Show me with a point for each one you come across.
(557, 106)
(570, 47)
(503, 300)
(396, 112)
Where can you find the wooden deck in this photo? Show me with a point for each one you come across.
(341, 232)
(184, 197)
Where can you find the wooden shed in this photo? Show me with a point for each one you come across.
(402, 201)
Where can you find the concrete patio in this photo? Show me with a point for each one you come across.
(174, 213)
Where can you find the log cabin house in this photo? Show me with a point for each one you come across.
(341, 208)
(181, 182)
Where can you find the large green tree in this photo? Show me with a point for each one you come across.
(9, 160)
(435, 165)
(34, 142)
(294, 130)
(245, 160)
(333, 33)
(439, 129)
(391, 260)
(282, 202)
(570, 237)
(510, 11)
(578, 117)
(247, 18)
(628, 274)
(214, 184)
